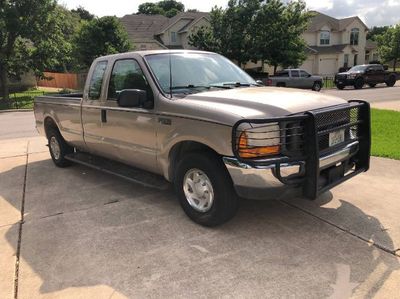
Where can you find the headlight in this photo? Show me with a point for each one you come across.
(351, 76)
(260, 141)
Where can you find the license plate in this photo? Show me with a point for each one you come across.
(336, 137)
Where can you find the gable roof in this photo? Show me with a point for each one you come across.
(320, 19)
(192, 17)
(143, 27)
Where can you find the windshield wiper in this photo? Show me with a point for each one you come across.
(189, 86)
(238, 84)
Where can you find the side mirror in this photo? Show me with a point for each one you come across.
(309, 75)
(132, 98)
(259, 82)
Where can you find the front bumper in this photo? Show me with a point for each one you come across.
(258, 182)
(319, 169)
(344, 81)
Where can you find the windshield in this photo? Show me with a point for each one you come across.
(196, 72)
(358, 68)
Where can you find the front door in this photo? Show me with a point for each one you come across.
(129, 133)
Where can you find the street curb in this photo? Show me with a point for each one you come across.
(16, 110)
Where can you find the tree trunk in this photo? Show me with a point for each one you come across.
(275, 68)
(4, 84)
(394, 65)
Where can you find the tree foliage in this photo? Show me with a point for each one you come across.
(83, 13)
(31, 38)
(389, 45)
(98, 37)
(375, 31)
(257, 30)
(168, 8)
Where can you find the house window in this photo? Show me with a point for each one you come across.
(346, 60)
(355, 59)
(143, 47)
(324, 37)
(173, 37)
(355, 32)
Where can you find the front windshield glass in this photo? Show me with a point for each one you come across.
(196, 71)
(358, 68)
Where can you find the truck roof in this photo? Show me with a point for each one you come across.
(151, 52)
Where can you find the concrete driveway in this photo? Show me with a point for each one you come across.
(380, 97)
(80, 233)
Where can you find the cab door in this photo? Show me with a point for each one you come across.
(91, 109)
(129, 134)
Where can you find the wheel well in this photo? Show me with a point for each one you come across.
(182, 148)
(49, 123)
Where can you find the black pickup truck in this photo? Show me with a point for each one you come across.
(370, 74)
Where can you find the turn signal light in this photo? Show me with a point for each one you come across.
(246, 151)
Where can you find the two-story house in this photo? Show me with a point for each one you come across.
(335, 43)
(149, 32)
(332, 43)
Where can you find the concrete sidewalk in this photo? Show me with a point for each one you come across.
(87, 234)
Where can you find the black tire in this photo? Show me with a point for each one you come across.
(359, 83)
(280, 84)
(58, 158)
(372, 85)
(317, 86)
(391, 82)
(225, 200)
(340, 86)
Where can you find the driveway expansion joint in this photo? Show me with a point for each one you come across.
(392, 252)
(21, 222)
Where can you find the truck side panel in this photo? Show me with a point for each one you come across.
(66, 114)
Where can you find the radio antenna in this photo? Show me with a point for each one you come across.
(170, 74)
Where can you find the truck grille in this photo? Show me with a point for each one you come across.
(347, 119)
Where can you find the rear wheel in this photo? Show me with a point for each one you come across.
(58, 148)
(391, 82)
(205, 189)
(359, 83)
(280, 84)
(317, 86)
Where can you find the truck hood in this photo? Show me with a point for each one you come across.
(228, 106)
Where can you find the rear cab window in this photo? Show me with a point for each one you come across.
(97, 80)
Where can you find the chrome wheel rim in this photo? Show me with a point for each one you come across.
(198, 190)
(55, 148)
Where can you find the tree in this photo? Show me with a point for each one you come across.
(99, 37)
(30, 32)
(168, 8)
(389, 45)
(278, 30)
(230, 31)
(375, 31)
(254, 30)
(83, 13)
(149, 8)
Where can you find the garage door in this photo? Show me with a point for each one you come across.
(327, 66)
(308, 65)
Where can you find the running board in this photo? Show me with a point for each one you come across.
(121, 170)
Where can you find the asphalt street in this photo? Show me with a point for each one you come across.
(80, 233)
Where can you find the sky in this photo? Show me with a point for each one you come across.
(372, 12)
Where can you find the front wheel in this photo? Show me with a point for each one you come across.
(359, 83)
(391, 82)
(317, 86)
(58, 148)
(205, 189)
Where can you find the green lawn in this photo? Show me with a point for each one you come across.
(21, 100)
(385, 126)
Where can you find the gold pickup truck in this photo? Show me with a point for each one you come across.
(198, 121)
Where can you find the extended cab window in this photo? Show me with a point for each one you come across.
(127, 74)
(97, 80)
(295, 73)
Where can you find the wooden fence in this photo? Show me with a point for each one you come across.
(63, 80)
